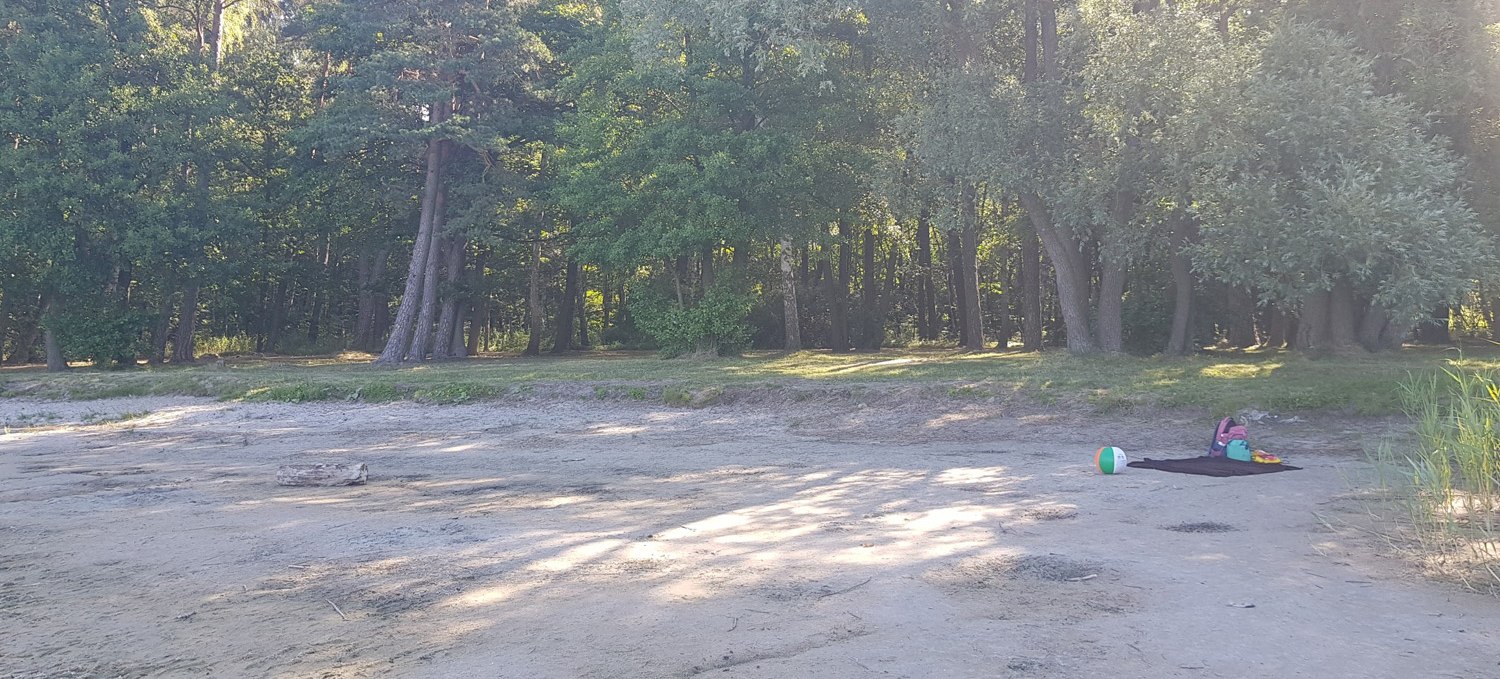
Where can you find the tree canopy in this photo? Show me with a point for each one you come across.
(432, 179)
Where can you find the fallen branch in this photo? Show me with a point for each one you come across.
(846, 589)
(336, 609)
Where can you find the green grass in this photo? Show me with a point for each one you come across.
(1279, 382)
(1447, 482)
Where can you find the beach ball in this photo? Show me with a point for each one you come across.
(1110, 460)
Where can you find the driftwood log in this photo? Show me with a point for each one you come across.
(321, 474)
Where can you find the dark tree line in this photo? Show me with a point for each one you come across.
(430, 180)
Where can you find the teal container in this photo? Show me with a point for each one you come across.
(1238, 449)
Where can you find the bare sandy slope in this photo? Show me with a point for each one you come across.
(606, 540)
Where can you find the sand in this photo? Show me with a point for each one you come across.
(599, 539)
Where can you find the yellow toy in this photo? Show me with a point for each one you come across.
(1264, 457)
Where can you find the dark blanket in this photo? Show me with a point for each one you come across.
(1211, 466)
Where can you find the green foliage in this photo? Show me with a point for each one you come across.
(1448, 480)
(454, 393)
(1316, 178)
(297, 392)
(107, 337)
(715, 325)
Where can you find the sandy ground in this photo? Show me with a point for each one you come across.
(582, 539)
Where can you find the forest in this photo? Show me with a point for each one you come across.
(431, 179)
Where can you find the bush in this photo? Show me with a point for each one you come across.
(715, 325)
(106, 336)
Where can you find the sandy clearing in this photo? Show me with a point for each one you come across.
(581, 539)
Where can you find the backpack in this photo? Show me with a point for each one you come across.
(1230, 439)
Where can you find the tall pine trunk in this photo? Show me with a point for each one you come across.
(583, 308)
(957, 289)
(448, 317)
(187, 325)
(838, 293)
(792, 325)
(371, 270)
(969, 270)
(926, 296)
(534, 316)
(416, 273)
(865, 340)
(422, 331)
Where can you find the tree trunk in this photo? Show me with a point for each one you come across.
(1312, 324)
(957, 289)
(887, 297)
(926, 296)
(457, 347)
(448, 317)
(534, 303)
(416, 273)
(187, 325)
(973, 329)
(45, 321)
(1372, 328)
(475, 326)
(1327, 323)
(322, 474)
(792, 324)
(161, 330)
(706, 275)
(864, 339)
(55, 360)
(1031, 291)
(583, 309)
(563, 340)
(315, 310)
(372, 270)
(1178, 343)
(6, 304)
(606, 304)
(422, 332)
(1342, 332)
(838, 294)
(1108, 321)
(1072, 274)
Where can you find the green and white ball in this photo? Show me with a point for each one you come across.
(1110, 460)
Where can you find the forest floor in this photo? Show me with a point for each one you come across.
(1222, 383)
(145, 537)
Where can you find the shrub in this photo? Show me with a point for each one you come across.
(715, 325)
(1450, 480)
(106, 336)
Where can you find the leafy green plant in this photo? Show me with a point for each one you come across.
(1448, 482)
(106, 337)
(715, 325)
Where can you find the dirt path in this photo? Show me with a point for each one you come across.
(592, 540)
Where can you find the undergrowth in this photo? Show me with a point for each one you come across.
(1446, 484)
(1222, 384)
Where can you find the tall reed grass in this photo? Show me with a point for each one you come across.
(1448, 479)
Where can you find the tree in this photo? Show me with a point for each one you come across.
(453, 78)
(1327, 195)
